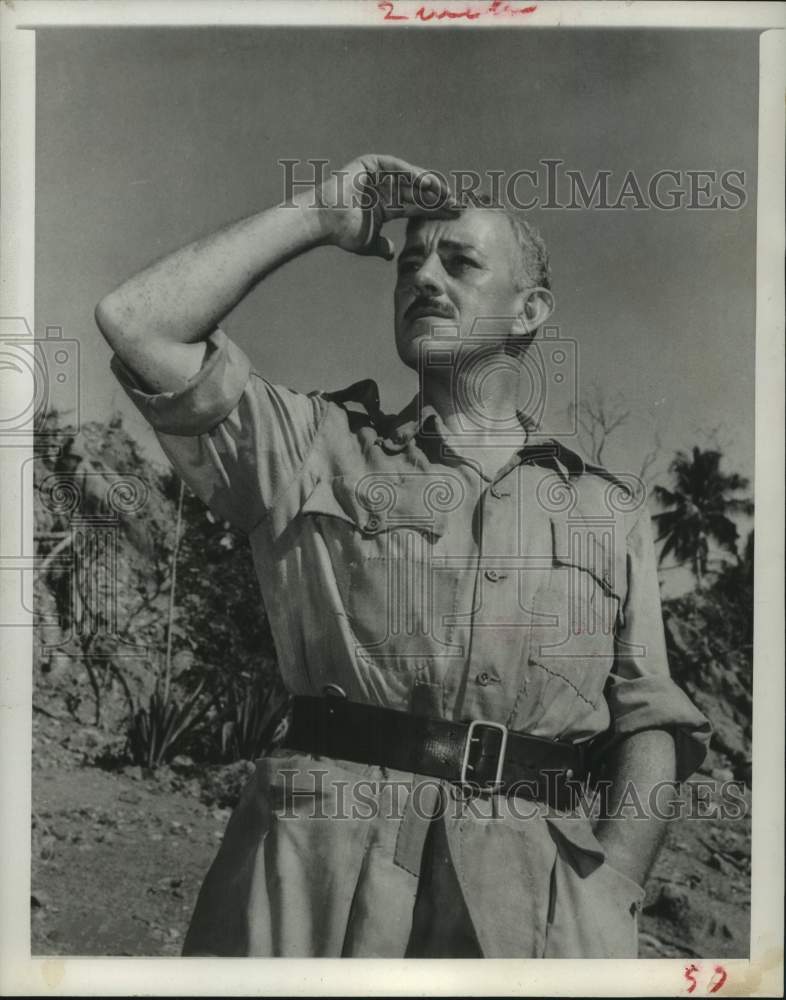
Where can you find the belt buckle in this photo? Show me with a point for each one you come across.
(465, 764)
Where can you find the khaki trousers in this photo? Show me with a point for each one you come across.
(312, 885)
(591, 916)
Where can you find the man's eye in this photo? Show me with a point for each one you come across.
(408, 266)
(461, 262)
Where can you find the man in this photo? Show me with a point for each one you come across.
(452, 600)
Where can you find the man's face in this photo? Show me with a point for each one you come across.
(453, 272)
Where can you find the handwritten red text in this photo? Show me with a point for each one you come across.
(718, 978)
(429, 12)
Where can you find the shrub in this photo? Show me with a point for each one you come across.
(252, 717)
(157, 732)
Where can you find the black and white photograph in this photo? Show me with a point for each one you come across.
(393, 449)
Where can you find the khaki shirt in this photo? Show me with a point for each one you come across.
(391, 567)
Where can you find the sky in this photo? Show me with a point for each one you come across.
(150, 138)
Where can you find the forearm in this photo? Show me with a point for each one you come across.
(157, 319)
(632, 841)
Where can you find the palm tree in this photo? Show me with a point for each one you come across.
(699, 508)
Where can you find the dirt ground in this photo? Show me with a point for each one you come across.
(118, 858)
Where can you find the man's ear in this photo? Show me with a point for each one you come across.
(537, 306)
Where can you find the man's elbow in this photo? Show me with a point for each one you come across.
(109, 319)
(115, 319)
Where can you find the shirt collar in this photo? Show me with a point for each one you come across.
(420, 421)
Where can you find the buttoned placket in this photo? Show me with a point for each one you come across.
(481, 685)
(488, 682)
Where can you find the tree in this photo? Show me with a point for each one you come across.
(709, 639)
(598, 418)
(700, 508)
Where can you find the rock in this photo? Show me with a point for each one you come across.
(744, 772)
(170, 882)
(722, 865)
(39, 899)
(182, 762)
(673, 903)
(222, 786)
(729, 738)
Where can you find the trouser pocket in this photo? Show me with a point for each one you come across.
(595, 916)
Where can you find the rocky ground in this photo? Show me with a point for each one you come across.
(118, 857)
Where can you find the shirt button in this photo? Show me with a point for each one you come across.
(492, 574)
(373, 523)
(483, 678)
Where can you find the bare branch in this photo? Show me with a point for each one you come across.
(651, 456)
(598, 419)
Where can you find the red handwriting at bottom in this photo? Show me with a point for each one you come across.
(497, 8)
(719, 977)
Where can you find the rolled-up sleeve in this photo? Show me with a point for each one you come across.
(236, 439)
(641, 693)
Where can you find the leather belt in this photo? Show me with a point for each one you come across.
(479, 753)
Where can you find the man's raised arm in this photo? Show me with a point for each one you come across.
(158, 320)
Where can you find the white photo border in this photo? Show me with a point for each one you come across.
(762, 974)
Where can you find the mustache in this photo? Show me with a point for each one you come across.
(432, 306)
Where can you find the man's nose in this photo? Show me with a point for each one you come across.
(428, 277)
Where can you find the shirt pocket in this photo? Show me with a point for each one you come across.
(381, 532)
(578, 605)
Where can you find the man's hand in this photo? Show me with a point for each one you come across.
(359, 199)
